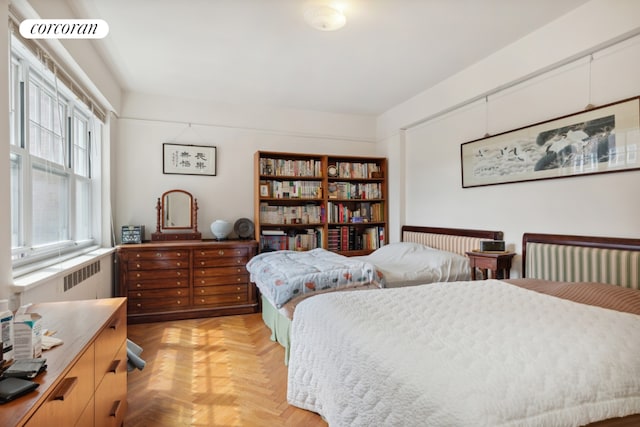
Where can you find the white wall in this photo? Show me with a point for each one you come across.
(603, 204)
(149, 121)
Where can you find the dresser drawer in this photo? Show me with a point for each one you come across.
(157, 264)
(202, 265)
(234, 298)
(71, 396)
(220, 280)
(162, 254)
(218, 290)
(153, 304)
(182, 273)
(182, 283)
(158, 293)
(216, 253)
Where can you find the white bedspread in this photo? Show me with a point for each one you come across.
(409, 263)
(462, 354)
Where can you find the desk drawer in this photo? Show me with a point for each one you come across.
(70, 398)
(108, 342)
(111, 394)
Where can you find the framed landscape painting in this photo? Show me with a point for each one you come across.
(603, 139)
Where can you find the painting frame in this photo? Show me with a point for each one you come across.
(189, 159)
(599, 140)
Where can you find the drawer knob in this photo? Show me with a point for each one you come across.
(178, 264)
(220, 252)
(137, 255)
(178, 273)
(202, 300)
(238, 288)
(202, 282)
(239, 279)
(137, 274)
(202, 291)
(179, 292)
(238, 261)
(239, 270)
(159, 254)
(137, 265)
(179, 254)
(138, 305)
(203, 253)
(139, 294)
(238, 297)
(202, 263)
(179, 302)
(178, 282)
(138, 285)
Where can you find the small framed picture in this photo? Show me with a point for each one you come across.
(264, 190)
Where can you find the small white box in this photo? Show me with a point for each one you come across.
(27, 330)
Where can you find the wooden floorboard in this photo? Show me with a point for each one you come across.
(219, 372)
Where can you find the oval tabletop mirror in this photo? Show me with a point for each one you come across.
(177, 217)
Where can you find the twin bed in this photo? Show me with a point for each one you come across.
(424, 255)
(553, 348)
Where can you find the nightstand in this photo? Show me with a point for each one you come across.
(498, 262)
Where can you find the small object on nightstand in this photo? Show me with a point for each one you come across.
(498, 262)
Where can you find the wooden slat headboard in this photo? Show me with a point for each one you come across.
(456, 240)
(581, 259)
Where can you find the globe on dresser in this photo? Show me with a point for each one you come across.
(221, 229)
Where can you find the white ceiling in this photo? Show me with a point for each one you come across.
(261, 52)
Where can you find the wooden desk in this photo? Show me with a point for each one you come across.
(499, 263)
(86, 378)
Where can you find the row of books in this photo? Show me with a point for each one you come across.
(293, 189)
(287, 167)
(345, 238)
(275, 240)
(356, 170)
(302, 214)
(349, 190)
(355, 212)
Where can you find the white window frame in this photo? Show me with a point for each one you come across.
(27, 256)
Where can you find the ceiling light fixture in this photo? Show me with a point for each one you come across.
(324, 17)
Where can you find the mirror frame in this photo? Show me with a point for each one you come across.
(189, 232)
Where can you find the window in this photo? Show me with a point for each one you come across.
(55, 140)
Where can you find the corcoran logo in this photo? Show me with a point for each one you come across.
(64, 28)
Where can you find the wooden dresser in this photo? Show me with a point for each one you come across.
(187, 279)
(85, 383)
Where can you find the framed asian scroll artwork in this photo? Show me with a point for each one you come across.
(189, 159)
(603, 139)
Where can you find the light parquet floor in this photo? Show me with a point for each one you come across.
(218, 372)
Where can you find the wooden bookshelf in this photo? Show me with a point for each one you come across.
(303, 201)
